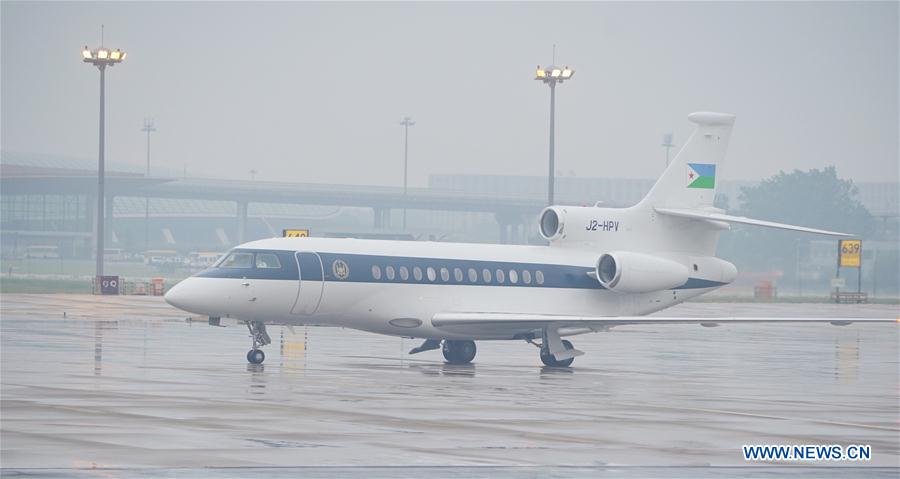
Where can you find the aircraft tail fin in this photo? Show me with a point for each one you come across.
(690, 179)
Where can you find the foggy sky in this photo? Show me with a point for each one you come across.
(314, 92)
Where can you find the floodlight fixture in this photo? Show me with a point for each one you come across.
(102, 57)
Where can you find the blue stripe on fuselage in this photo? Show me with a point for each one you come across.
(360, 268)
(555, 275)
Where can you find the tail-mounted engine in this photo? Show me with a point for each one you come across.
(580, 224)
(626, 272)
(552, 224)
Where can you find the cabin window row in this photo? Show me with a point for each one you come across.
(497, 276)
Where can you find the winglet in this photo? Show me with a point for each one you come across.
(711, 118)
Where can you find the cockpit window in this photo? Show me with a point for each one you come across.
(237, 259)
(267, 261)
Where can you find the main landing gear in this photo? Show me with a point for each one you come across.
(555, 352)
(459, 352)
(552, 362)
(455, 352)
(260, 338)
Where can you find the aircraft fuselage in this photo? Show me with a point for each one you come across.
(396, 287)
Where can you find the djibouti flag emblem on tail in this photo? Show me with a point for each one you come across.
(701, 175)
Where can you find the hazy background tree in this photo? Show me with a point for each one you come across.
(815, 198)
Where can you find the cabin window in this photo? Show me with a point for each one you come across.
(473, 275)
(539, 277)
(513, 276)
(238, 259)
(417, 273)
(404, 273)
(457, 275)
(267, 261)
(445, 275)
(486, 274)
(431, 274)
(526, 276)
(500, 276)
(390, 273)
(376, 272)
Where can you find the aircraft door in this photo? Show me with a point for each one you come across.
(311, 280)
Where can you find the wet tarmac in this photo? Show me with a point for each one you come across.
(126, 386)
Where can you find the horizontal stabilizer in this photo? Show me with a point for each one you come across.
(721, 217)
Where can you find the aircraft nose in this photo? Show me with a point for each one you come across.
(176, 296)
(193, 295)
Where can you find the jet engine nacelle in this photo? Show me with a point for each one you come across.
(627, 272)
(552, 224)
(577, 224)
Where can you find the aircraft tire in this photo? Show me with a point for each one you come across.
(551, 361)
(256, 356)
(459, 352)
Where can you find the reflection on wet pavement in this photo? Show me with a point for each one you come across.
(133, 386)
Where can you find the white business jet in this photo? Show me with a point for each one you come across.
(604, 267)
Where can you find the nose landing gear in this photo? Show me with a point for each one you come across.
(256, 356)
(260, 338)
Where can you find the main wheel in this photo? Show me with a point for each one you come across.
(459, 352)
(256, 356)
(551, 361)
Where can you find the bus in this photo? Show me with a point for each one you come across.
(114, 254)
(161, 257)
(42, 252)
(203, 259)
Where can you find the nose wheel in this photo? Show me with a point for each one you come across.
(256, 356)
(260, 338)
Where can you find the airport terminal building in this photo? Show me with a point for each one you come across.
(48, 207)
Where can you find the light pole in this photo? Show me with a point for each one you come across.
(668, 145)
(148, 128)
(797, 269)
(551, 76)
(406, 122)
(101, 58)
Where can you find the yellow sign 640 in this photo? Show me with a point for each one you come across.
(850, 253)
(295, 233)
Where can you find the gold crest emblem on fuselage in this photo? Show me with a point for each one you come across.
(340, 269)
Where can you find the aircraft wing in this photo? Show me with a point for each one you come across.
(713, 216)
(513, 324)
